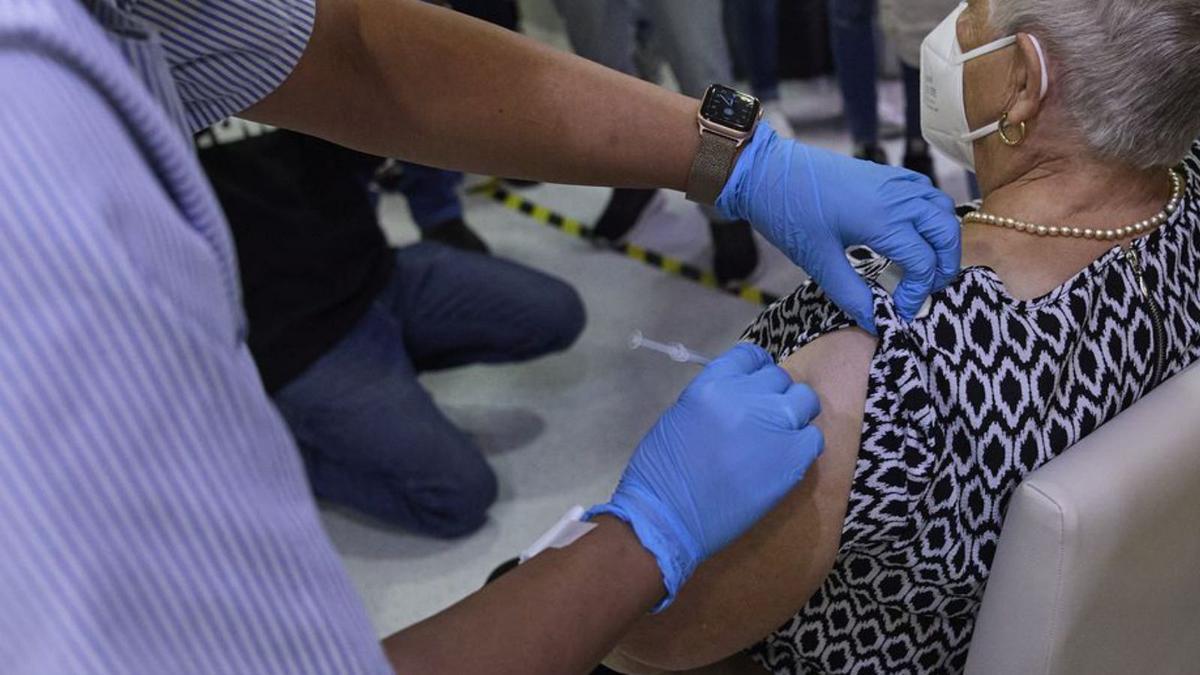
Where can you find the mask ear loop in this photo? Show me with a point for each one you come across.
(1037, 44)
(984, 50)
(1003, 125)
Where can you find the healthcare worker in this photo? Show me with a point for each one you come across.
(153, 512)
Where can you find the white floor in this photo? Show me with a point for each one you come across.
(559, 430)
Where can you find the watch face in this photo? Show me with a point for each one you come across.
(730, 108)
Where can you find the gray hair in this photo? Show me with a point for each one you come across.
(1129, 70)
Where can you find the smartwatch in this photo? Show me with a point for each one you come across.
(727, 119)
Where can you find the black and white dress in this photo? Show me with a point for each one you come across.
(961, 405)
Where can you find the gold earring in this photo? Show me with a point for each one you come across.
(1004, 127)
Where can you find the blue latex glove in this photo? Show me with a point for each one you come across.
(736, 441)
(812, 204)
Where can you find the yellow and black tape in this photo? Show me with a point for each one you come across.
(672, 266)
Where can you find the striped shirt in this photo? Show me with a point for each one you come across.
(154, 516)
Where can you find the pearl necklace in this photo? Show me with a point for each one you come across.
(1137, 228)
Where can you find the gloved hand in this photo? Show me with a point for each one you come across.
(812, 204)
(736, 441)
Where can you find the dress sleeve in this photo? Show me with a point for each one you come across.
(226, 55)
(896, 450)
(808, 313)
(900, 445)
(795, 321)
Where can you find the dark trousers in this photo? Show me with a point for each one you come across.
(371, 436)
(852, 28)
(753, 26)
(432, 194)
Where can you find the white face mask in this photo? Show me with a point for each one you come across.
(943, 108)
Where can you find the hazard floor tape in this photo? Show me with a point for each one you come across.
(665, 263)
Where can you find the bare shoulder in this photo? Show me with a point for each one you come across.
(830, 358)
(837, 367)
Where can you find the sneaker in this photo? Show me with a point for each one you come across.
(735, 254)
(456, 233)
(624, 208)
(871, 152)
(917, 158)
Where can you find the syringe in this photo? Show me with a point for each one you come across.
(675, 350)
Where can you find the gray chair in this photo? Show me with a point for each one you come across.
(1098, 567)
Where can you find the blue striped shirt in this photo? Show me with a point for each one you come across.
(154, 516)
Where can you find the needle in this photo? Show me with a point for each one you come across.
(676, 351)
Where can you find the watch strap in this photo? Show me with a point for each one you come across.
(711, 168)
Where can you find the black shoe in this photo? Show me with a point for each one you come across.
(454, 232)
(917, 158)
(872, 152)
(624, 208)
(735, 254)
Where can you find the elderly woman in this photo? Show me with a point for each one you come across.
(1080, 293)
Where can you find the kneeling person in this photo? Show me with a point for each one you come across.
(341, 325)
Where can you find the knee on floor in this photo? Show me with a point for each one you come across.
(459, 508)
(562, 316)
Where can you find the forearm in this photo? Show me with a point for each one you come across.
(558, 613)
(743, 593)
(747, 590)
(406, 79)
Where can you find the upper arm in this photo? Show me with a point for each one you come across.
(756, 584)
(320, 96)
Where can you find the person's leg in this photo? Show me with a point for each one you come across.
(754, 42)
(912, 101)
(374, 440)
(432, 194)
(916, 150)
(754, 26)
(691, 34)
(605, 31)
(436, 208)
(852, 27)
(602, 31)
(459, 308)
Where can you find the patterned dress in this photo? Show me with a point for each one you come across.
(961, 405)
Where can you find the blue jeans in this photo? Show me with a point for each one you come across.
(852, 27)
(371, 436)
(432, 194)
(754, 29)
